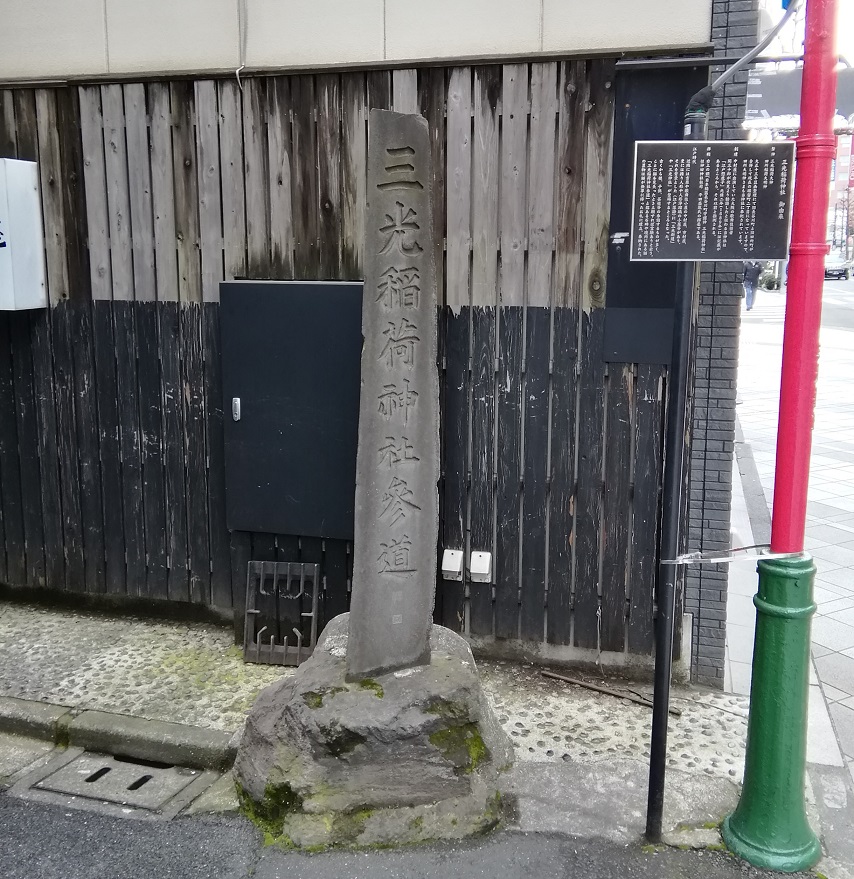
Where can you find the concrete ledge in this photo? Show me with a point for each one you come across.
(156, 740)
(41, 720)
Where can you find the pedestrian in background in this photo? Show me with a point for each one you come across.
(750, 279)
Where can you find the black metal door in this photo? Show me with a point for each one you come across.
(291, 363)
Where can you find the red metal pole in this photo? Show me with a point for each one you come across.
(815, 150)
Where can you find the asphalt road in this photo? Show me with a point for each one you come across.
(44, 842)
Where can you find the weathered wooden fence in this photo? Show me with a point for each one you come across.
(111, 446)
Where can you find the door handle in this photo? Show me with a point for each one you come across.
(235, 408)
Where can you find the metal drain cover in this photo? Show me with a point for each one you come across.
(114, 785)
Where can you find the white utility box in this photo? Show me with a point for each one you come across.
(480, 567)
(22, 276)
(452, 564)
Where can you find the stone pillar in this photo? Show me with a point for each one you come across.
(397, 466)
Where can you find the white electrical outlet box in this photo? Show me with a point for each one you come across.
(480, 567)
(22, 274)
(452, 564)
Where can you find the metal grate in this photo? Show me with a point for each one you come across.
(281, 612)
(114, 785)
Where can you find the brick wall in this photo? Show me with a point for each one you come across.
(734, 27)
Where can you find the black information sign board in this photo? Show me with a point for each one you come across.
(711, 200)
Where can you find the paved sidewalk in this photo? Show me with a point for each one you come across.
(829, 538)
(830, 512)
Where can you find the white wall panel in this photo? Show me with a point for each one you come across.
(57, 38)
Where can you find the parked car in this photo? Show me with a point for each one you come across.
(836, 266)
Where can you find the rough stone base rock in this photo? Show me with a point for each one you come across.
(405, 757)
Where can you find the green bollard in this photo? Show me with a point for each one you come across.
(769, 827)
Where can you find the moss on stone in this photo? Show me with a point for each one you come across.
(348, 826)
(374, 686)
(417, 822)
(454, 712)
(462, 745)
(269, 815)
(313, 699)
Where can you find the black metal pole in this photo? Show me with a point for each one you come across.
(674, 456)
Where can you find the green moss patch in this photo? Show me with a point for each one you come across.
(372, 685)
(312, 699)
(269, 815)
(461, 745)
(453, 712)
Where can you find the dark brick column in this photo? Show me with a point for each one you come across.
(734, 30)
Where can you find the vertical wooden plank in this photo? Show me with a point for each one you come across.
(107, 393)
(567, 291)
(562, 471)
(405, 91)
(513, 188)
(25, 490)
(26, 122)
(336, 594)
(456, 343)
(186, 190)
(195, 453)
(14, 562)
(645, 536)
(329, 175)
(220, 555)
(151, 449)
(535, 392)
(50, 174)
(591, 407)
(73, 194)
(63, 362)
(304, 175)
(432, 103)
(95, 184)
(617, 505)
(233, 194)
(127, 385)
(241, 553)
(484, 299)
(279, 163)
(28, 461)
(48, 453)
(541, 184)
(139, 191)
(257, 175)
(8, 130)
(513, 226)
(210, 199)
(379, 90)
(118, 196)
(88, 445)
(151, 579)
(173, 443)
(163, 192)
(431, 99)
(354, 163)
(569, 184)
(588, 513)
(597, 180)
